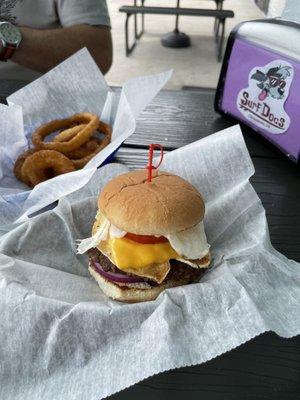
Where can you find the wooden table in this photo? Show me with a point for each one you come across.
(267, 367)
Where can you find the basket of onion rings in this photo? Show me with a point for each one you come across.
(76, 141)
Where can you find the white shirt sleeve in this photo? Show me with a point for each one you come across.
(91, 12)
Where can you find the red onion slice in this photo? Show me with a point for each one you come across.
(115, 276)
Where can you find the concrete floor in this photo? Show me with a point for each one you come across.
(193, 66)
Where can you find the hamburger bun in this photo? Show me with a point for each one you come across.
(166, 205)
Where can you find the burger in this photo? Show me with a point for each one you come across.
(147, 236)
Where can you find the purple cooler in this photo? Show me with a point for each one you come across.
(259, 83)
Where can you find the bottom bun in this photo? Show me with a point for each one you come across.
(134, 295)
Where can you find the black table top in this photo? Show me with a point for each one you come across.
(267, 367)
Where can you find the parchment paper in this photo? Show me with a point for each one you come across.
(76, 85)
(61, 338)
(291, 11)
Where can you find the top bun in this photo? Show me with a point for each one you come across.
(167, 204)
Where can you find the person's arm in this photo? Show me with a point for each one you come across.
(41, 50)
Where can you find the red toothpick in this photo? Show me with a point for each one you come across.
(151, 167)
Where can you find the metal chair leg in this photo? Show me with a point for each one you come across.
(219, 6)
(217, 30)
(220, 42)
(215, 24)
(143, 17)
(129, 49)
(137, 35)
(135, 22)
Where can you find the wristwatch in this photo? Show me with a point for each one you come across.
(10, 39)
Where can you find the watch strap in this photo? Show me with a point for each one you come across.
(7, 52)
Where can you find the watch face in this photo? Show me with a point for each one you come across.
(10, 34)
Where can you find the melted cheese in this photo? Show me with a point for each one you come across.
(128, 253)
(113, 249)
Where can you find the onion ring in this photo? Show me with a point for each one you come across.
(85, 150)
(68, 134)
(91, 122)
(106, 130)
(81, 156)
(80, 163)
(19, 164)
(70, 149)
(45, 164)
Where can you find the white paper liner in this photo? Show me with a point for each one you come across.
(61, 338)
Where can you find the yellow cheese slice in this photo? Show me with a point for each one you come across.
(146, 260)
(128, 253)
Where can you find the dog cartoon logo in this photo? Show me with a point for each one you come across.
(273, 82)
(262, 102)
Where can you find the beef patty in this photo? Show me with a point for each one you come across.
(178, 269)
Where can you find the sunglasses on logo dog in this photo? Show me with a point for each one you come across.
(275, 81)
